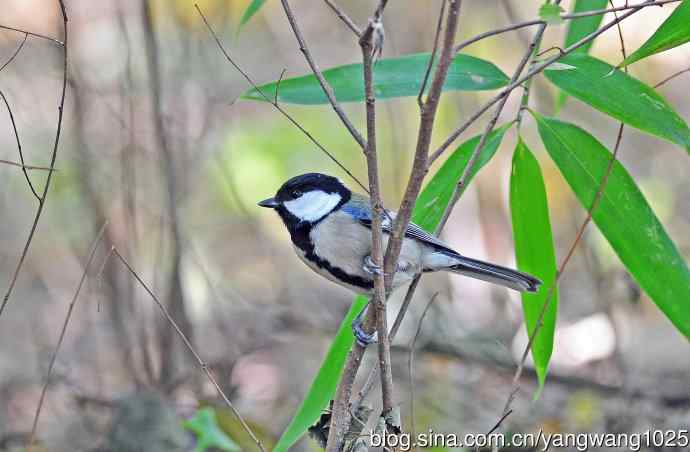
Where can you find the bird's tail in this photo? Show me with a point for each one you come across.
(496, 274)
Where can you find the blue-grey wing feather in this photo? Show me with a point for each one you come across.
(359, 207)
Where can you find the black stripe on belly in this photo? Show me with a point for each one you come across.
(300, 237)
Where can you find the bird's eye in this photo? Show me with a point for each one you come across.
(295, 194)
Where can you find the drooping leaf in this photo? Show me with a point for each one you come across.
(551, 13)
(534, 253)
(325, 383)
(252, 9)
(427, 213)
(393, 77)
(620, 96)
(578, 29)
(673, 32)
(623, 216)
(437, 193)
(208, 433)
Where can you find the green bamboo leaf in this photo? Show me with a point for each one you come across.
(578, 29)
(620, 96)
(534, 252)
(252, 9)
(623, 216)
(427, 213)
(437, 193)
(551, 13)
(393, 77)
(208, 433)
(324, 385)
(673, 32)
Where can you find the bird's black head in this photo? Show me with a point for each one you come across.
(308, 198)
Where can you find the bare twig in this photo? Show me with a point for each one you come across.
(325, 86)
(531, 73)
(530, 23)
(19, 148)
(341, 415)
(344, 17)
(379, 298)
(672, 76)
(92, 253)
(410, 360)
(432, 58)
(276, 105)
(35, 35)
(53, 157)
(27, 167)
(202, 365)
(16, 52)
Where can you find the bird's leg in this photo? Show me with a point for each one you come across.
(363, 338)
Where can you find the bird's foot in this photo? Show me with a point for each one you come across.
(371, 268)
(363, 338)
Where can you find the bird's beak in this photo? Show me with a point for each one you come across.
(271, 203)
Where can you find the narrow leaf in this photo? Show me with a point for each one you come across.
(534, 253)
(578, 29)
(673, 32)
(324, 385)
(437, 193)
(393, 77)
(620, 96)
(427, 213)
(252, 9)
(623, 216)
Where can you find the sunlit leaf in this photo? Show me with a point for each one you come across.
(551, 13)
(325, 383)
(673, 32)
(208, 433)
(437, 193)
(578, 29)
(620, 96)
(393, 77)
(623, 216)
(534, 252)
(252, 9)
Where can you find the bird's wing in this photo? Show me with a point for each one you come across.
(359, 208)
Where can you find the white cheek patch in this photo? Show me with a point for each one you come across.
(313, 205)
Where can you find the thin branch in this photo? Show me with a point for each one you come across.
(345, 18)
(530, 23)
(27, 167)
(35, 35)
(70, 309)
(19, 147)
(672, 76)
(432, 58)
(53, 157)
(380, 292)
(16, 52)
(325, 86)
(202, 365)
(410, 360)
(275, 104)
(531, 73)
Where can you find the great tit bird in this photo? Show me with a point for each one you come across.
(330, 228)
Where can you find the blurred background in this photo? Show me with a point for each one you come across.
(156, 142)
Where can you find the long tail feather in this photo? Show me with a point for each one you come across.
(496, 274)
